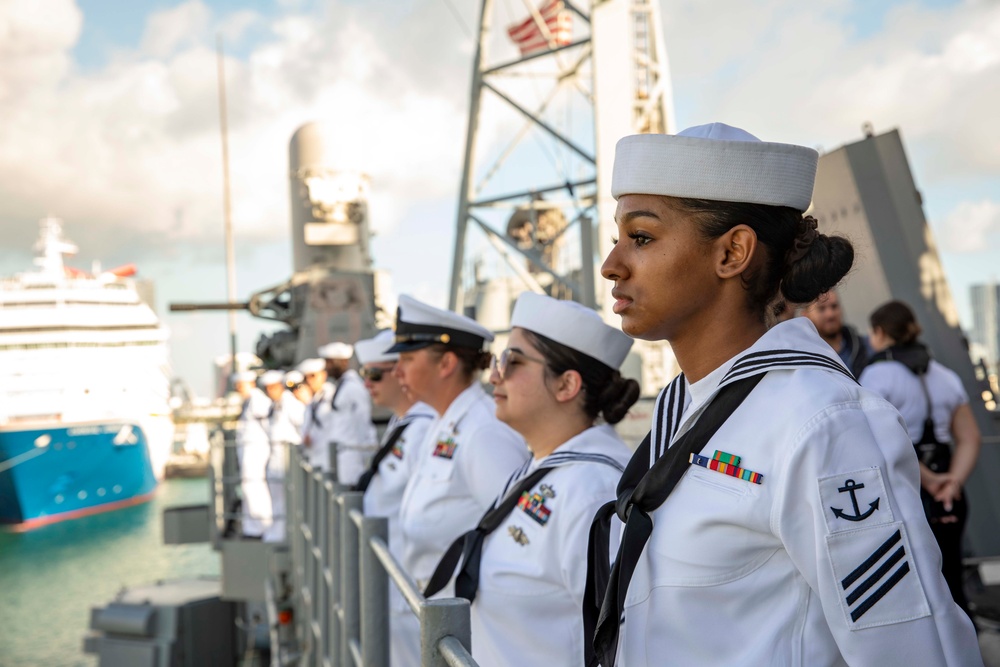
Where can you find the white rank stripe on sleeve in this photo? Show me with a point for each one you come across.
(873, 572)
(852, 498)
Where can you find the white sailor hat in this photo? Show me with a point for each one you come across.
(294, 378)
(573, 325)
(373, 350)
(419, 325)
(311, 366)
(336, 351)
(271, 377)
(244, 376)
(715, 162)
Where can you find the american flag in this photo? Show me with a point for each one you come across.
(558, 20)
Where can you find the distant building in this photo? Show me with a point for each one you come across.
(985, 332)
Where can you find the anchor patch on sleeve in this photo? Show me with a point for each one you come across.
(852, 487)
(854, 498)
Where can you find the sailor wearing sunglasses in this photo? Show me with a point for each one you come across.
(526, 571)
(394, 463)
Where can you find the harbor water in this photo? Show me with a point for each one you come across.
(51, 577)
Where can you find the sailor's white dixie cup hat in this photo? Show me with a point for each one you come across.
(311, 366)
(419, 325)
(718, 162)
(573, 325)
(374, 350)
(244, 376)
(272, 377)
(335, 351)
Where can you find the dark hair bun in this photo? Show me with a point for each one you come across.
(617, 397)
(822, 264)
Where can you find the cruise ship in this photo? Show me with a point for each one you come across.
(85, 423)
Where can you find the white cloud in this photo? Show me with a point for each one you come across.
(131, 154)
(168, 30)
(34, 38)
(798, 72)
(969, 225)
(134, 148)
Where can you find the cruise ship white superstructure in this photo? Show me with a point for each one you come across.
(85, 421)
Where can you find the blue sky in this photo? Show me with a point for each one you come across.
(108, 119)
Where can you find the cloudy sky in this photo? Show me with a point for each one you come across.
(109, 120)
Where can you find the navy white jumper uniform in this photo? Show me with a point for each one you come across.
(252, 449)
(347, 428)
(317, 447)
(384, 497)
(828, 561)
(285, 426)
(533, 572)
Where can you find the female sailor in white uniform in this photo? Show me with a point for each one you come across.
(394, 463)
(287, 414)
(794, 532)
(523, 569)
(468, 454)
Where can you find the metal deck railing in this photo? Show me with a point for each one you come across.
(341, 572)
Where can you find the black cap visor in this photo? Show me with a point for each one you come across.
(410, 337)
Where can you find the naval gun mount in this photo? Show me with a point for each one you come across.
(334, 292)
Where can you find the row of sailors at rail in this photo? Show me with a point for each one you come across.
(331, 420)
(800, 541)
(456, 452)
(771, 517)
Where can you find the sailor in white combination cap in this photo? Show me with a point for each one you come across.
(252, 450)
(525, 572)
(385, 479)
(773, 513)
(468, 454)
(285, 428)
(338, 431)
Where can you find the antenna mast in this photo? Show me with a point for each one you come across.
(227, 208)
(605, 69)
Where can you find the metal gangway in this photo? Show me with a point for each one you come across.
(340, 569)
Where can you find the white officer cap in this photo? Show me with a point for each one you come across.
(271, 377)
(244, 376)
(715, 162)
(311, 366)
(419, 325)
(293, 378)
(573, 325)
(336, 351)
(373, 350)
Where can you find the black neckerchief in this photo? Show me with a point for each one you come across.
(385, 449)
(336, 390)
(641, 491)
(651, 476)
(470, 545)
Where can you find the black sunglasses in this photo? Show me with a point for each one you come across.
(374, 374)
